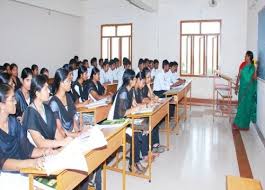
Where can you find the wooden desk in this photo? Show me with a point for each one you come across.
(239, 183)
(69, 179)
(180, 97)
(162, 111)
(112, 88)
(100, 113)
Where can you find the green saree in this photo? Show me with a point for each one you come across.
(247, 98)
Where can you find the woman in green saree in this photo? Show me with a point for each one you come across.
(247, 96)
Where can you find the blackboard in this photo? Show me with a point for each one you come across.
(261, 44)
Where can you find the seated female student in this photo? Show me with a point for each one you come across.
(22, 94)
(143, 95)
(63, 105)
(39, 119)
(45, 72)
(123, 102)
(16, 152)
(6, 78)
(14, 73)
(93, 87)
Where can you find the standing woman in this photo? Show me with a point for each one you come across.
(16, 152)
(39, 119)
(247, 96)
(22, 94)
(93, 87)
(63, 105)
(14, 73)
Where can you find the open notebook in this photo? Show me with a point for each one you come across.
(102, 102)
(73, 155)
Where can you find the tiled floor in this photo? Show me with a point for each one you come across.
(199, 158)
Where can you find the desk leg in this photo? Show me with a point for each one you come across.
(132, 147)
(167, 127)
(104, 176)
(31, 185)
(177, 117)
(124, 160)
(150, 150)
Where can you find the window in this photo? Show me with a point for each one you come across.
(199, 47)
(116, 41)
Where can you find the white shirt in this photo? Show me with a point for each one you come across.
(105, 76)
(114, 74)
(154, 72)
(162, 81)
(89, 70)
(75, 74)
(174, 77)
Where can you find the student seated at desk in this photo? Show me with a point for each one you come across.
(126, 65)
(93, 88)
(144, 95)
(105, 74)
(35, 70)
(175, 80)
(155, 70)
(14, 73)
(16, 152)
(39, 119)
(140, 65)
(123, 102)
(6, 78)
(22, 94)
(78, 86)
(113, 71)
(44, 71)
(63, 105)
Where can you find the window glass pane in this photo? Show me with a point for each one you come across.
(186, 55)
(115, 49)
(108, 31)
(124, 30)
(198, 55)
(211, 27)
(191, 28)
(106, 48)
(125, 52)
(211, 53)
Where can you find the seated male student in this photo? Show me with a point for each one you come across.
(100, 62)
(175, 80)
(126, 65)
(162, 80)
(105, 74)
(85, 64)
(113, 71)
(155, 70)
(140, 65)
(73, 64)
(93, 63)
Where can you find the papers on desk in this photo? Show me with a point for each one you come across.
(143, 110)
(73, 155)
(102, 102)
(112, 123)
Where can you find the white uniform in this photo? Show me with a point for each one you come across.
(174, 77)
(89, 70)
(162, 81)
(114, 74)
(75, 74)
(105, 76)
(154, 72)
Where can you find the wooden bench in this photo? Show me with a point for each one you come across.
(239, 183)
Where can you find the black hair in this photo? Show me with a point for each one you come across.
(171, 64)
(176, 63)
(5, 78)
(140, 62)
(60, 76)
(128, 75)
(6, 65)
(146, 71)
(72, 62)
(94, 59)
(106, 62)
(34, 67)
(250, 55)
(25, 73)
(43, 70)
(85, 61)
(12, 66)
(94, 71)
(165, 62)
(4, 90)
(146, 60)
(116, 60)
(37, 84)
(111, 62)
(140, 75)
(156, 61)
(76, 57)
(2, 69)
(100, 60)
(81, 70)
(126, 61)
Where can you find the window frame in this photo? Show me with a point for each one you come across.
(120, 41)
(204, 52)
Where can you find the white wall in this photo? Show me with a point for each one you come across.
(156, 35)
(252, 39)
(30, 35)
